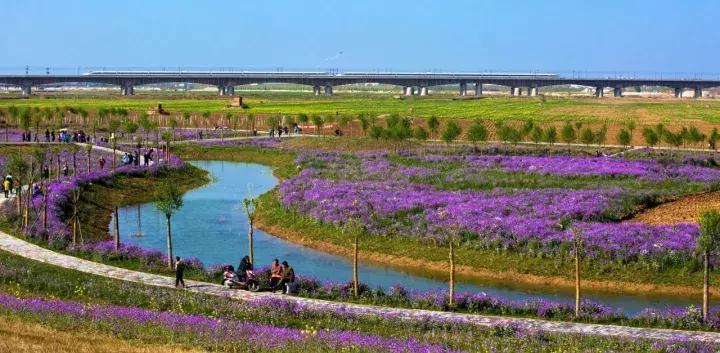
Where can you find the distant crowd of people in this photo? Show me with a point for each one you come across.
(134, 158)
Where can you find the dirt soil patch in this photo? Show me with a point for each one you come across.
(684, 210)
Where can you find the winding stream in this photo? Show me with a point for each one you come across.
(212, 227)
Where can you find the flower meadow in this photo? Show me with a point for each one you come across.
(514, 203)
(208, 331)
(57, 232)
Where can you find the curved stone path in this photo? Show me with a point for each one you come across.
(28, 250)
(31, 251)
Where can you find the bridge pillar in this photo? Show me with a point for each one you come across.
(230, 90)
(221, 90)
(423, 91)
(698, 92)
(408, 91)
(532, 91)
(618, 91)
(478, 89)
(316, 90)
(127, 89)
(328, 90)
(678, 92)
(599, 91)
(512, 90)
(463, 89)
(26, 90)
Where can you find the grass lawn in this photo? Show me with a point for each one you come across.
(644, 110)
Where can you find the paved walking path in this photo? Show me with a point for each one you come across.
(31, 251)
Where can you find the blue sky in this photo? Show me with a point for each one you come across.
(543, 35)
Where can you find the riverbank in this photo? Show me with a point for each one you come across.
(419, 257)
(416, 257)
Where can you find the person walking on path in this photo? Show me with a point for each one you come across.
(6, 187)
(101, 161)
(276, 274)
(179, 272)
(288, 277)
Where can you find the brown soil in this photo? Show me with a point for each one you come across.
(441, 268)
(684, 210)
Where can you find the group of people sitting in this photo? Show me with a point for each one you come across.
(282, 276)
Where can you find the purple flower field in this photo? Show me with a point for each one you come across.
(211, 330)
(427, 196)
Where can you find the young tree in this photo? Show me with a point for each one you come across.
(527, 128)
(650, 136)
(168, 201)
(354, 228)
(601, 135)
(172, 124)
(551, 135)
(420, 133)
(713, 138)
(631, 125)
(318, 121)
(452, 132)
(707, 244)
(587, 136)
(377, 132)
(477, 132)
(145, 124)
(16, 166)
(577, 248)
(568, 133)
(433, 125)
(186, 118)
(623, 137)
(536, 134)
(88, 149)
(695, 136)
(249, 205)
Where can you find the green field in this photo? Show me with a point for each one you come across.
(644, 110)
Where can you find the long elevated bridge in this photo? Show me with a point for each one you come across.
(323, 82)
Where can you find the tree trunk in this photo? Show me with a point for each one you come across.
(356, 289)
(26, 211)
(45, 206)
(577, 279)
(251, 245)
(74, 163)
(117, 229)
(451, 299)
(88, 161)
(169, 245)
(113, 156)
(706, 285)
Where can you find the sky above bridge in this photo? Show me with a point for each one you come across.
(474, 35)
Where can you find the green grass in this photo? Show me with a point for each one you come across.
(500, 108)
